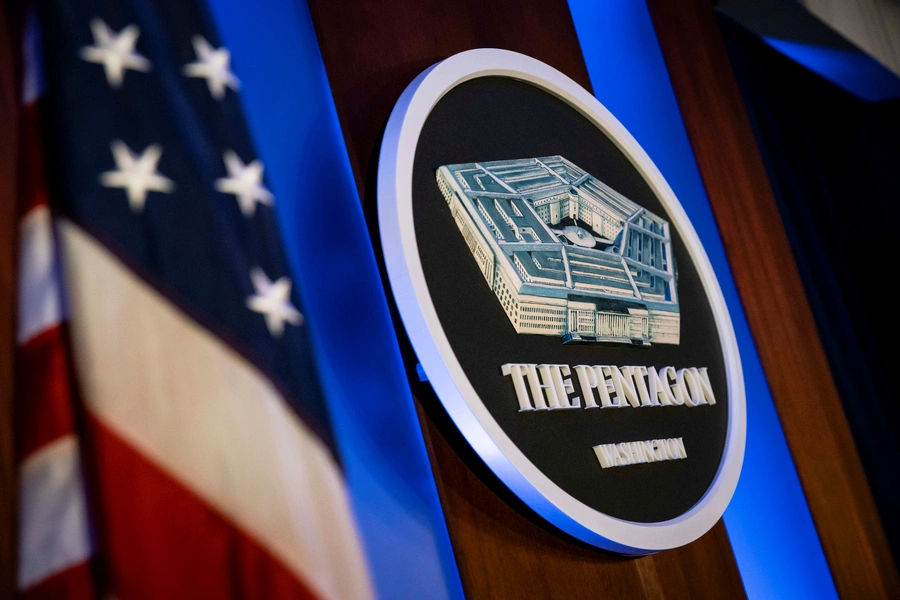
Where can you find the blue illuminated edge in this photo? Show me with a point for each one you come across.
(775, 543)
(289, 108)
(438, 359)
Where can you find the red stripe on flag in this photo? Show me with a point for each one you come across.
(44, 391)
(48, 539)
(160, 540)
(32, 191)
(75, 583)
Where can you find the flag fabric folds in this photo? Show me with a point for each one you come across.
(198, 460)
(56, 546)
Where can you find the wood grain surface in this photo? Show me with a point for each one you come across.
(503, 550)
(774, 301)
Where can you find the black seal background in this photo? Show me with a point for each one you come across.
(496, 118)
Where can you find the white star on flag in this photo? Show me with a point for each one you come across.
(135, 174)
(274, 301)
(213, 65)
(245, 182)
(115, 51)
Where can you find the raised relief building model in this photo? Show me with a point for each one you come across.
(566, 254)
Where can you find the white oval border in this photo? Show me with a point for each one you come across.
(404, 268)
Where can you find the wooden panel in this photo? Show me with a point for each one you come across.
(774, 301)
(9, 137)
(503, 550)
(374, 50)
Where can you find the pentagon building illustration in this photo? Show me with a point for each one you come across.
(565, 254)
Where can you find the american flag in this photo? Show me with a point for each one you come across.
(173, 436)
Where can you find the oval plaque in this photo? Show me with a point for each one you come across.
(560, 302)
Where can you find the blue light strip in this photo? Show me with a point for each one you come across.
(855, 72)
(289, 108)
(771, 531)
